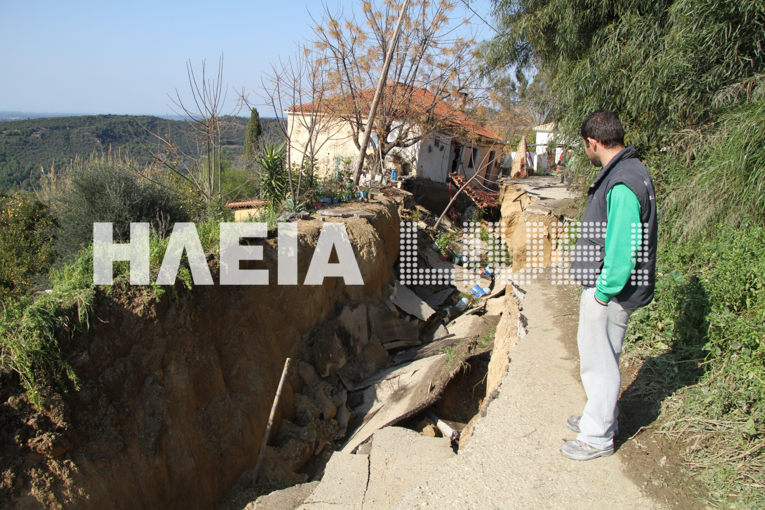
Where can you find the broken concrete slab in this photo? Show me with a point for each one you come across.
(399, 344)
(433, 259)
(439, 297)
(400, 460)
(409, 302)
(398, 393)
(389, 328)
(285, 499)
(496, 306)
(439, 333)
(466, 326)
(343, 485)
(427, 350)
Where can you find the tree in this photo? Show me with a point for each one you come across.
(297, 92)
(429, 66)
(659, 64)
(108, 188)
(202, 167)
(252, 136)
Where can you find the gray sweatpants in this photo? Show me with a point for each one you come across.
(599, 338)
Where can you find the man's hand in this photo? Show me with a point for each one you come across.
(603, 303)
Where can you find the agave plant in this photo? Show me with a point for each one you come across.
(273, 175)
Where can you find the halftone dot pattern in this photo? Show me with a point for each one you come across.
(496, 253)
(536, 232)
(565, 251)
(568, 252)
(409, 272)
(566, 234)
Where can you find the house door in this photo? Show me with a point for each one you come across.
(456, 155)
(492, 166)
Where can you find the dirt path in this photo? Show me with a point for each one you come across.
(513, 459)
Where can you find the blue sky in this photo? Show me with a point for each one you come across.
(126, 57)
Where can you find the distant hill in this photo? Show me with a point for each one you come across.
(26, 145)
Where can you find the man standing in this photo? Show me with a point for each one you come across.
(614, 259)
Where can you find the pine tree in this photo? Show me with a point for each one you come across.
(252, 137)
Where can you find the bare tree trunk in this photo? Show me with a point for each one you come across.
(378, 93)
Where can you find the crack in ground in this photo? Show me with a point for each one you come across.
(369, 477)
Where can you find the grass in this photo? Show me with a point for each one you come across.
(32, 329)
(450, 354)
(35, 329)
(704, 341)
(488, 337)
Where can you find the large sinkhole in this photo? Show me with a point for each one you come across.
(175, 393)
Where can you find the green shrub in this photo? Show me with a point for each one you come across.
(444, 240)
(705, 334)
(108, 189)
(26, 242)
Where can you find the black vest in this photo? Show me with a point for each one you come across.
(587, 262)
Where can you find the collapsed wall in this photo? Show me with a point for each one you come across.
(175, 395)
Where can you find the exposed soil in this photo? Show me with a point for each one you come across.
(174, 395)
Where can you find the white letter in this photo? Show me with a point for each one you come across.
(105, 253)
(184, 236)
(231, 252)
(288, 254)
(333, 234)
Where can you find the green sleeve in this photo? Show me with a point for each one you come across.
(623, 216)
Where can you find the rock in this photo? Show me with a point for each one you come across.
(323, 394)
(353, 320)
(343, 417)
(307, 374)
(430, 430)
(328, 352)
(371, 360)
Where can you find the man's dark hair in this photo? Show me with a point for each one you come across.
(603, 126)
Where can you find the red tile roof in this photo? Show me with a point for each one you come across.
(413, 103)
(245, 204)
(481, 198)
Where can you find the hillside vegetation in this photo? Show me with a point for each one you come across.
(687, 78)
(27, 145)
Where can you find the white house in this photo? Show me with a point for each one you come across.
(458, 143)
(545, 136)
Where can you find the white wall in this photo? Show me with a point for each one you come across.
(433, 157)
(333, 139)
(543, 139)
